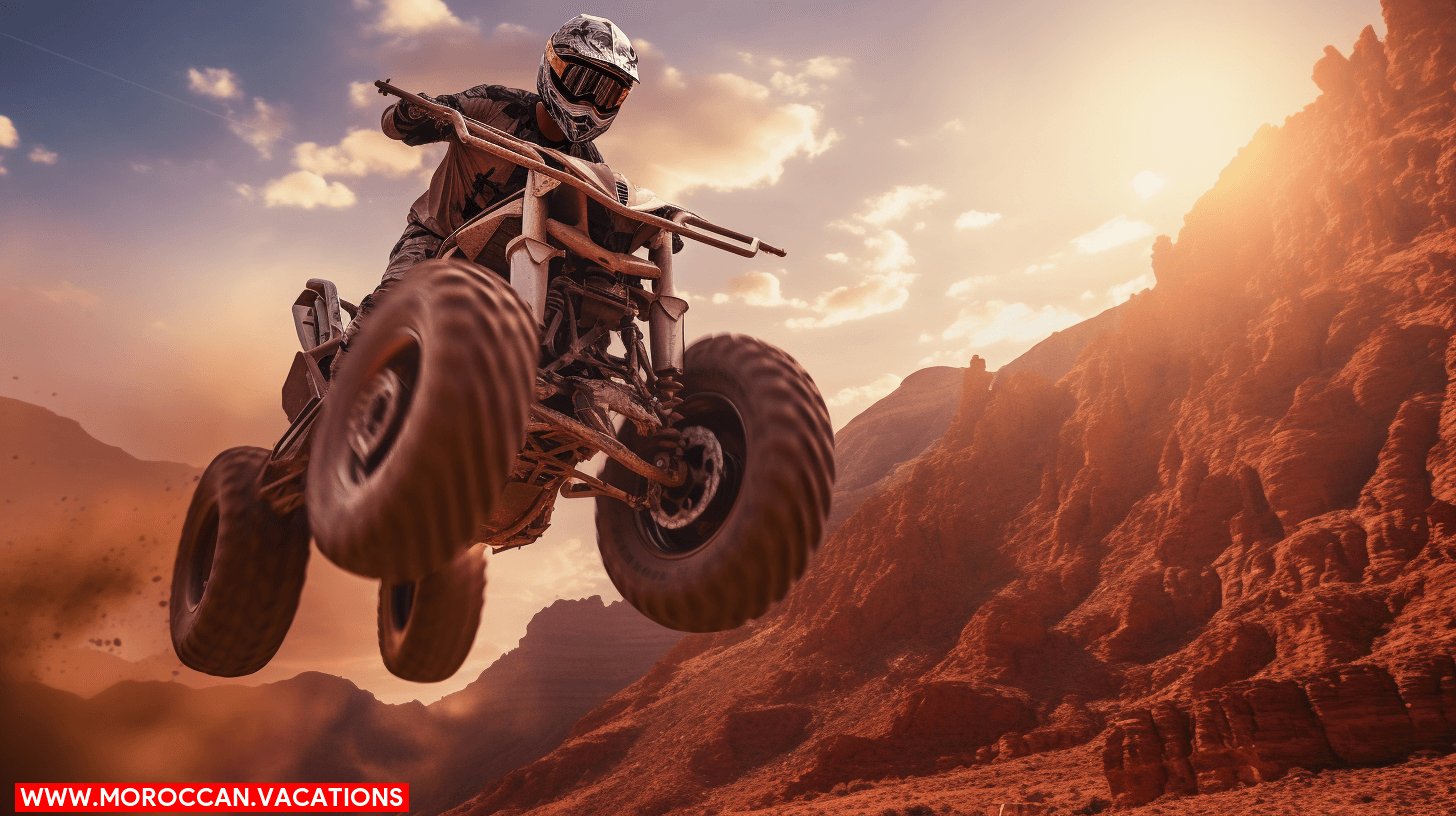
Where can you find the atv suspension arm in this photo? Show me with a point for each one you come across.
(545, 419)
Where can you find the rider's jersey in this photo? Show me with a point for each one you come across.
(469, 181)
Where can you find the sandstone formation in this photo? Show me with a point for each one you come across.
(869, 451)
(1261, 730)
(895, 430)
(1228, 529)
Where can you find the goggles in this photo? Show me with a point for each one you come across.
(586, 84)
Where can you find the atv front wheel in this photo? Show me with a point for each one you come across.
(718, 550)
(423, 423)
(426, 627)
(239, 571)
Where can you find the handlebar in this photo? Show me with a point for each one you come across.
(522, 153)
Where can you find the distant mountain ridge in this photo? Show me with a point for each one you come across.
(89, 533)
(894, 430)
(319, 728)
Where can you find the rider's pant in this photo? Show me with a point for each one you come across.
(415, 245)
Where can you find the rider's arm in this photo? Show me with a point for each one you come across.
(413, 126)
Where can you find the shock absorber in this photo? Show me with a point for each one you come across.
(557, 308)
(667, 388)
(528, 254)
(665, 330)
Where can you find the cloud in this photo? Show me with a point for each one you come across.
(358, 154)
(954, 126)
(1123, 291)
(408, 17)
(965, 285)
(890, 207)
(361, 153)
(219, 83)
(263, 129)
(884, 288)
(9, 137)
(40, 155)
(307, 190)
(1041, 267)
(452, 60)
(808, 76)
(998, 322)
(1147, 184)
(1111, 234)
(879, 387)
(899, 202)
(886, 284)
(756, 289)
(683, 132)
(362, 94)
(66, 292)
(974, 219)
(837, 257)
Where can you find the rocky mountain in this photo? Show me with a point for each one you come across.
(895, 430)
(1221, 547)
(575, 655)
(320, 728)
(869, 451)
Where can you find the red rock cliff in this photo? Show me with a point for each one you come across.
(1230, 529)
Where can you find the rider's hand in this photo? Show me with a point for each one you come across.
(439, 115)
(414, 114)
(410, 113)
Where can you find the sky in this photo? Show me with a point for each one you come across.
(949, 178)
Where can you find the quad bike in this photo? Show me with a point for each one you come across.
(465, 407)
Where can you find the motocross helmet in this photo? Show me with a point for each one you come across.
(588, 68)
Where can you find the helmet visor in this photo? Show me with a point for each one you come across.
(586, 84)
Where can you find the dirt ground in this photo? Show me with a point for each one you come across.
(1071, 782)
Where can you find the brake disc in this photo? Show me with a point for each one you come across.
(677, 507)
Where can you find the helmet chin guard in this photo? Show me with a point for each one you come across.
(586, 72)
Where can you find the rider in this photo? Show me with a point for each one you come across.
(587, 70)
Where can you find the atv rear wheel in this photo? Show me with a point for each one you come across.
(426, 627)
(423, 423)
(729, 542)
(239, 571)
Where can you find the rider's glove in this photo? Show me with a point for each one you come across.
(408, 114)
